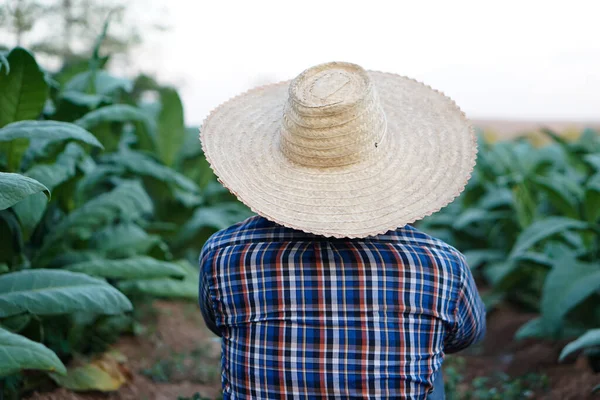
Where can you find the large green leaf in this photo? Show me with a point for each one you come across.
(124, 240)
(533, 328)
(18, 353)
(168, 288)
(568, 284)
(103, 83)
(542, 230)
(91, 101)
(16, 187)
(113, 113)
(31, 209)
(536, 329)
(128, 201)
(171, 126)
(144, 165)
(51, 292)
(140, 267)
(39, 134)
(23, 90)
(97, 120)
(590, 339)
(50, 131)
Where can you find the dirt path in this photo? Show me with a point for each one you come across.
(176, 357)
(179, 356)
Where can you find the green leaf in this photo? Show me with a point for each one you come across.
(128, 201)
(31, 209)
(52, 292)
(473, 216)
(496, 198)
(140, 164)
(495, 272)
(97, 121)
(191, 147)
(96, 179)
(16, 323)
(103, 82)
(590, 339)
(18, 353)
(113, 113)
(536, 258)
(140, 267)
(542, 230)
(476, 258)
(123, 240)
(564, 194)
(167, 288)
(16, 187)
(73, 257)
(525, 204)
(64, 168)
(12, 246)
(215, 217)
(23, 90)
(592, 198)
(171, 126)
(532, 329)
(91, 101)
(50, 131)
(593, 160)
(568, 284)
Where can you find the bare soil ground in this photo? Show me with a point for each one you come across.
(180, 357)
(500, 352)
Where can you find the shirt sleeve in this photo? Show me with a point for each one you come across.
(469, 315)
(204, 294)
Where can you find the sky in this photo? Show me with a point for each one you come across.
(516, 60)
(524, 60)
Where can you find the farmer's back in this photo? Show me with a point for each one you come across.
(309, 317)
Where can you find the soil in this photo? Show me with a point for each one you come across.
(178, 348)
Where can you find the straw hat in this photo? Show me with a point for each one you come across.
(340, 151)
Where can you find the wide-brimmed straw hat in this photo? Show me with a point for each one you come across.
(340, 151)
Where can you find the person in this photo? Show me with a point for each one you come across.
(330, 292)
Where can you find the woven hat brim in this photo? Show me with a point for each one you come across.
(423, 163)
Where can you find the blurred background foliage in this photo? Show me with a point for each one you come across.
(105, 198)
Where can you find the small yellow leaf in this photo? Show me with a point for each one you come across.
(105, 374)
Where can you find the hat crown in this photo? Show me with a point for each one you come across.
(332, 117)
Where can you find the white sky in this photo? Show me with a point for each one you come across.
(503, 59)
(523, 59)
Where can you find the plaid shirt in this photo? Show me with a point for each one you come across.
(308, 317)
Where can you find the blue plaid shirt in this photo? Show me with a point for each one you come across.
(308, 317)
